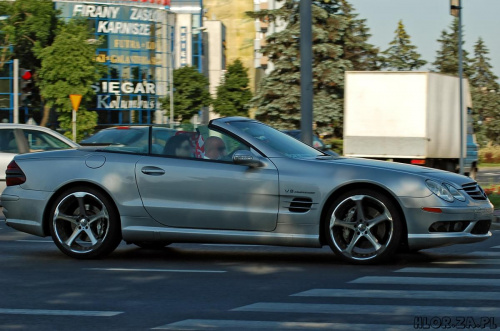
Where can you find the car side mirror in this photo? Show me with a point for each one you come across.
(247, 158)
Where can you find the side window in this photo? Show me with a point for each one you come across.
(41, 141)
(200, 144)
(219, 146)
(8, 143)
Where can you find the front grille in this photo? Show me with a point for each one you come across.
(474, 191)
(300, 205)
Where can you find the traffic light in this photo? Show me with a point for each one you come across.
(25, 87)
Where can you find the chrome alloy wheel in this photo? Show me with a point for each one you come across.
(81, 222)
(361, 227)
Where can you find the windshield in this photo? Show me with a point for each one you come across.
(277, 140)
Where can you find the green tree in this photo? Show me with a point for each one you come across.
(234, 94)
(485, 96)
(447, 56)
(278, 98)
(69, 67)
(356, 49)
(402, 55)
(29, 26)
(190, 93)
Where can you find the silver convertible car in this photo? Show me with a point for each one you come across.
(239, 181)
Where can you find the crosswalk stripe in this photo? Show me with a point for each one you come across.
(426, 281)
(6, 311)
(321, 308)
(471, 261)
(481, 271)
(155, 270)
(396, 294)
(486, 254)
(497, 247)
(200, 324)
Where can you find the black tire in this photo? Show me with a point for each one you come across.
(91, 234)
(473, 173)
(370, 237)
(151, 244)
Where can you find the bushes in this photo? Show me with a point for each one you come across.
(489, 154)
(336, 143)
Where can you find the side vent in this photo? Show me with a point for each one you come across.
(300, 205)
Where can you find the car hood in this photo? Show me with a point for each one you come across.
(439, 175)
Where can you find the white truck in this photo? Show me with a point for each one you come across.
(409, 117)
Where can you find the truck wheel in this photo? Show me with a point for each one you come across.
(473, 173)
(364, 227)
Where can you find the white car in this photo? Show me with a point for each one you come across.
(22, 138)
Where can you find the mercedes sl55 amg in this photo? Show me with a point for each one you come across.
(238, 181)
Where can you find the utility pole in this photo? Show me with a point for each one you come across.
(306, 78)
(456, 10)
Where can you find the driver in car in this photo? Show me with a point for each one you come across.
(215, 149)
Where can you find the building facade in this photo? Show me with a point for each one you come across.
(135, 45)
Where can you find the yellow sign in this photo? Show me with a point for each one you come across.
(75, 100)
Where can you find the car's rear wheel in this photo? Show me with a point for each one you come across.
(84, 223)
(363, 227)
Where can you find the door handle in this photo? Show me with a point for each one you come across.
(153, 171)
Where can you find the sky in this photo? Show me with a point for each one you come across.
(424, 21)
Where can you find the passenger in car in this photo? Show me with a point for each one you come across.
(179, 146)
(215, 148)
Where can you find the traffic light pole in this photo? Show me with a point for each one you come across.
(16, 91)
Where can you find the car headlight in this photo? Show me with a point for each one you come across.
(456, 193)
(440, 190)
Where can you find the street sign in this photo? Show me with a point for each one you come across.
(75, 100)
(454, 7)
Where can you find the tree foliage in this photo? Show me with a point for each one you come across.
(485, 96)
(28, 27)
(402, 55)
(68, 67)
(234, 93)
(447, 55)
(356, 49)
(190, 93)
(278, 98)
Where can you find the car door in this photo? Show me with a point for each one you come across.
(208, 194)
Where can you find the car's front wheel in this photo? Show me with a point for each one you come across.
(84, 223)
(363, 227)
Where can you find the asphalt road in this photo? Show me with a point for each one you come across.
(230, 287)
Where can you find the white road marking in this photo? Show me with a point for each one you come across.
(321, 308)
(7, 311)
(155, 270)
(403, 294)
(426, 281)
(452, 270)
(200, 324)
(35, 241)
(472, 261)
(485, 254)
(497, 247)
(230, 245)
